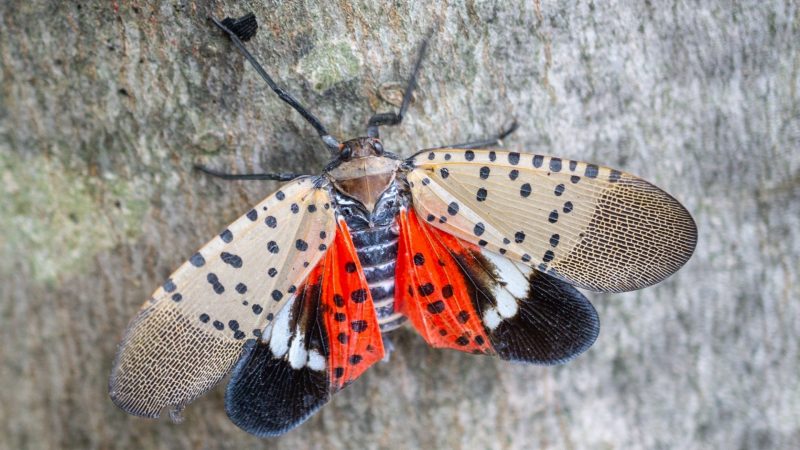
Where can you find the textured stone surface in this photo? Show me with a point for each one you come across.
(105, 106)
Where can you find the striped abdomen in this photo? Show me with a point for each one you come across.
(377, 251)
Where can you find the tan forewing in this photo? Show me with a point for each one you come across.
(192, 331)
(592, 226)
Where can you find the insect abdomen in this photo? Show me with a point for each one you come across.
(377, 252)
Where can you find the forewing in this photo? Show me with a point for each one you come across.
(324, 338)
(591, 226)
(194, 328)
(460, 296)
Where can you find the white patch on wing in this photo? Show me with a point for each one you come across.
(315, 361)
(279, 340)
(298, 355)
(506, 304)
(491, 318)
(512, 274)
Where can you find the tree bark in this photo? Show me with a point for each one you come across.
(105, 107)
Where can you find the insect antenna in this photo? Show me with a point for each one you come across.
(391, 118)
(244, 28)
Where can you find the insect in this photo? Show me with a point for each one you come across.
(479, 250)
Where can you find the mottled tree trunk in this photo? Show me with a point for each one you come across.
(105, 107)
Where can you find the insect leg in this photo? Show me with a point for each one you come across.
(248, 176)
(487, 142)
(391, 118)
(330, 141)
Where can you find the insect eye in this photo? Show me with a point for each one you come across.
(378, 148)
(346, 152)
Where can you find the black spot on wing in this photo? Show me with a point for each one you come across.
(267, 397)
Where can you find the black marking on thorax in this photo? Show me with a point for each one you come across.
(375, 237)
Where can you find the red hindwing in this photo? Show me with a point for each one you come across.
(354, 337)
(432, 290)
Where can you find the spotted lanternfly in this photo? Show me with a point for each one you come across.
(479, 250)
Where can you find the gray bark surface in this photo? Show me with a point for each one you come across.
(105, 107)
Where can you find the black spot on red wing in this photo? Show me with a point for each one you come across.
(481, 194)
(232, 260)
(342, 338)
(338, 300)
(447, 290)
(355, 359)
(301, 245)
(555, 164)
(419, 259)
(426, 289)
(525, 190)
(436, 307)
(553, 218)
(271, 221)
(442, 332)
(452, 208)
(204, 318)
(252, 215)
(226, 236)
(197, 260)
(272, 247)
(257, 309)
(469, 155)
(462, 340)
(338, 372)
(340, 317)
(513, 158)
(358, 325)
(484, 172)
(591, 171)
(350, 267)
(538, 160)
(463, 316)
(358, 296)
(479, 229)
(479, 340)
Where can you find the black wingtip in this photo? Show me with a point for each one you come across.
(244, 27)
